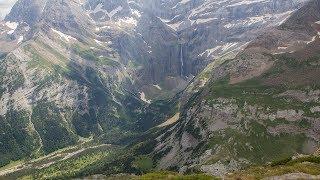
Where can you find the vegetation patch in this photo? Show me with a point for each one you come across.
(143, 163)
(164, 175)
(308, 164)
(257, 145)
(71, 167)
(90, 55)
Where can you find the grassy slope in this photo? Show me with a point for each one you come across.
(66, 163)
(173, 176)
(257, 92)
(307, 164)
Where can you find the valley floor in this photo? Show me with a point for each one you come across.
(80, 160)
(65, 162)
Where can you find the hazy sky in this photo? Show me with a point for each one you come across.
(5, 6)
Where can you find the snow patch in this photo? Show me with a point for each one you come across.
(106, 13)
(12, 25)
(248, 22)
(285, 16)
(201, 21)
(128, 21)
(247, 2)
(136, 13)
(228, 48)
(20, 39)
(64, 36)
(184, 1)
(282, 47)
(157, 86)
(98, 42)
(10, 32)
(312, 40)
(143, 97)
(115, 11)
(81, 2)
(102, 43)
(27, 28)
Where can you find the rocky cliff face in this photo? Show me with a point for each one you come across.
(75, 69)
(59, 84)
(208, 29)
(260, 106)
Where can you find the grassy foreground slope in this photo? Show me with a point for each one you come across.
(301, 167)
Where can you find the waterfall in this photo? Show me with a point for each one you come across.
(181, 61)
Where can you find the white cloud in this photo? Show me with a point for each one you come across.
(5, 7)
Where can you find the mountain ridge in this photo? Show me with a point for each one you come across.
(209, 90)
(245, 107)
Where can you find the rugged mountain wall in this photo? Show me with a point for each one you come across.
(208, 29)
(78, 69)
(61, 85)
(260, 106)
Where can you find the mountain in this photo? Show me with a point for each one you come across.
(28, 11)
(60, 84)
(208, 29)
(258, 107)
(84, 74)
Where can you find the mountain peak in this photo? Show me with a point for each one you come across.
(305, 18)
(105, 10)
(28, 11)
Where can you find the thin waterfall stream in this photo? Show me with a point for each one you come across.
(181, 61)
